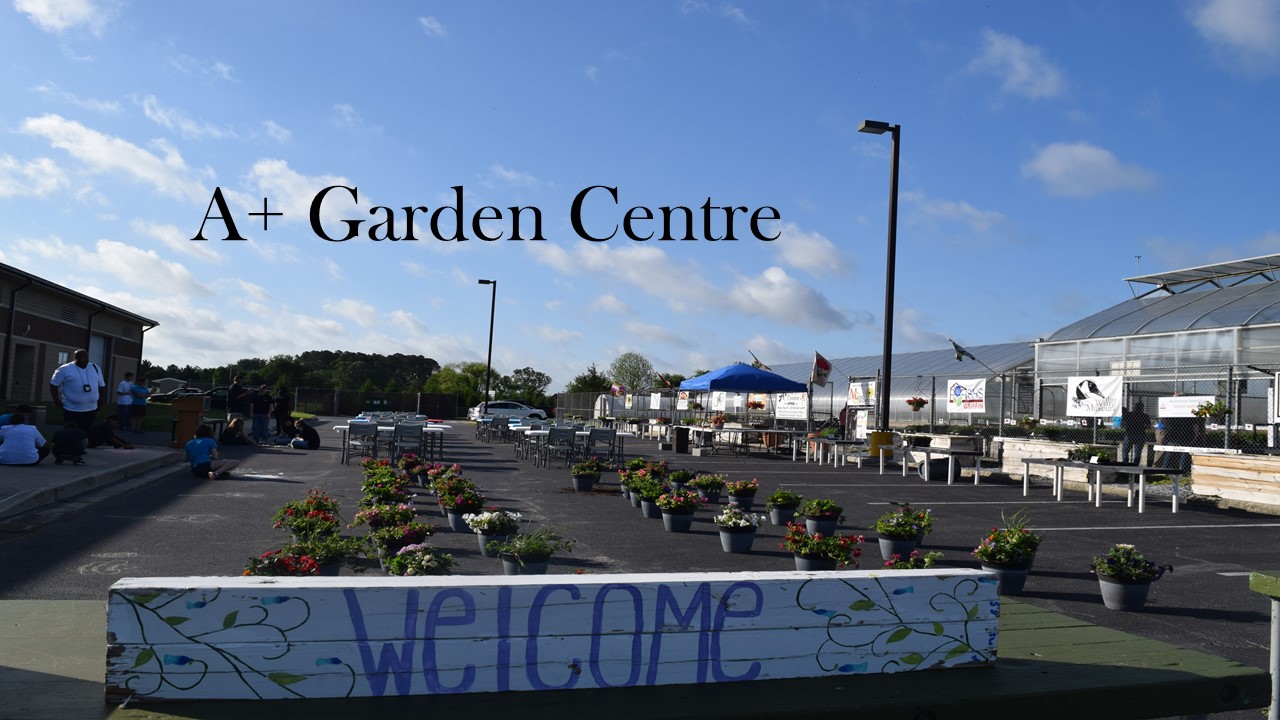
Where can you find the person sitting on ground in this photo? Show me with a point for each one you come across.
(24, 409)
(69, 444)
(234, 434)
(307, 436)
(104, 433)
(20, 443)
(202, 452)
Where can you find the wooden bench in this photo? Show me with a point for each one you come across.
(283, 637)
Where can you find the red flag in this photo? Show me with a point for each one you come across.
(821, 370)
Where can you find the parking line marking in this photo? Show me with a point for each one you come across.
(1236, 574)
(1163, 527)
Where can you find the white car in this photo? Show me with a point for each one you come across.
(505, 408)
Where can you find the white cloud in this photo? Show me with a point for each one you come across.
(1084, 170)
(513, 177)
(592, 72)
(178, 121)
(333, 268)
(775, 352)
(276, 132)
(649, 333)
(555, 336)
(55, 16)
(36, 178)
(726, 10)
(980, 221)
(1022, 69)
(51, 90)
(414, 268)
(646, 267)
(101, 153)
(346, 116)
(188, 65)
(611, 303)
(361, 313)
(1247, 30)
(177, 240)
(292, 193)
(808, 251)
(776, 295)
(253, 290)
(431, 27)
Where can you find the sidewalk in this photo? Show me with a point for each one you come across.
(26, 488)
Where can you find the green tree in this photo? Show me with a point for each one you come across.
(530, 386)
(464, 379)
(634, 371)
(590, 381)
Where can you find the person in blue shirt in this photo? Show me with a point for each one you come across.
(138, 408)
(202, 453)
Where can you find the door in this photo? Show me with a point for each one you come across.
(23, 388)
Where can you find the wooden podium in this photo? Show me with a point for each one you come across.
(188, 411)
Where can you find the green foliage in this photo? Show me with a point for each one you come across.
(634, 371)
(590, 381)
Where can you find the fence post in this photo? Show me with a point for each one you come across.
(1226, 431)
(336, 391)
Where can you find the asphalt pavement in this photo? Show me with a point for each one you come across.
(60, 557)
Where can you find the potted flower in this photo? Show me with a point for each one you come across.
(383, 515)
(916, 403)
(329, 551)
(386, 541)
(419, 559)
(530, 553)
(914, 561)
(1029, 423)
(1009, 552)
(316, 514)
(459, 503)
(737, 528)
(678, 507)
(821, 552)
(821, 515)
(717, 420)
(709, 486)
(491, 526)
(586, 473)
(695, 405)
(743, 492)
(282, 562)
(902, 529)
(755, 404)
(645, 491)
(782, 505)
(1125, 577)
(1214, 410)
(679, 478)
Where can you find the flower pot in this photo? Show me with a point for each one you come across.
(676, 521)
(511, 566)
(1010, 578)
(583, 483)
(709, 496)
(676, 485)
(744, 501)
(782, 515)
(330, 569)
(635, 500)
(456, 523)
(1120, 594)
(897, 546)
(486, 540)
(825, 526)
(737, 540)
(626, 492)
(806, 563)
(650, 509)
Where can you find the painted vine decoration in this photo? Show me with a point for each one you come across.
(140, 605)
(899, 630)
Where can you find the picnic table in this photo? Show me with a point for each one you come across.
(951, 454)
(1097, 471)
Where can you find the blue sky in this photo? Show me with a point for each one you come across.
(1045, 147)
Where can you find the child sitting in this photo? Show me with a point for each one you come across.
(69, 444)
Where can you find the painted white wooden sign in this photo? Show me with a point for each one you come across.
(249, 638)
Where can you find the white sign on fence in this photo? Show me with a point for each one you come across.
(1095, 396)
(967, 396)
(791, 406)
(285, 637)
(862, 394)
(1181, 405)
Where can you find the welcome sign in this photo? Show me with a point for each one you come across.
(277, 638)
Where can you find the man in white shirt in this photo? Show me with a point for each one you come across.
(78, 387)
(124, 399)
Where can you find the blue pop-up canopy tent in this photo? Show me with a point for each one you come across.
(741, 377)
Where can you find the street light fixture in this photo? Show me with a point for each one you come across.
(876, 127)
(488, 363)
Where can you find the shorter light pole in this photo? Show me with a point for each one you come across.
(488, 363)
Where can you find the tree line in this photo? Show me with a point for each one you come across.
(368, 372)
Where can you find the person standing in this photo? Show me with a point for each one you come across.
(236, 395)
(1134, 423)
(283, 410)
(138, 410)
(124, 398)
(261, 404)
(78, 387)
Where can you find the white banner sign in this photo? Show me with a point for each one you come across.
(1181, 405)
(791, 406)
(967, 396)
(862, 394)
(718, 400)
(682, 400)
(1095, 396)
(655, 401)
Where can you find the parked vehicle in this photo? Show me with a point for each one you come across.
(172, 394)
(505, 408)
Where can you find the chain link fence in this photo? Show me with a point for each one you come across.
(349, 403)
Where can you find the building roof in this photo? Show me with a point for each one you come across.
(37, 280)
(1234, 272)
(942, 363)
(1249, 297)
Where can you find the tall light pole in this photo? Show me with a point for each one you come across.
(488, 363)
(877, 127)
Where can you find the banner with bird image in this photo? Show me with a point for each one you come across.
(1095, 395)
